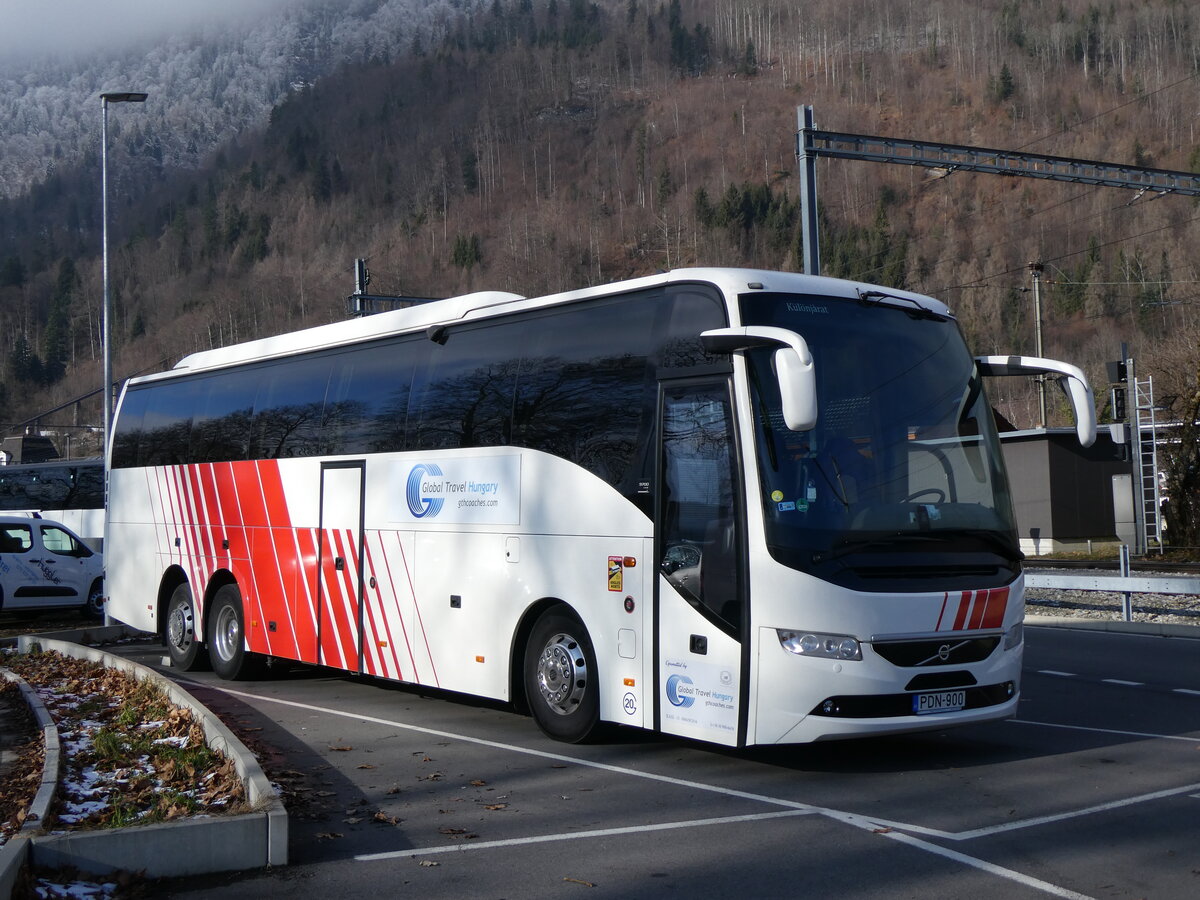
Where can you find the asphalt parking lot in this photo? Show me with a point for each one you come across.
(1092, 791)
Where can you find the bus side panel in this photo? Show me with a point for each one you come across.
(473, 589)
(465, 611)
(392, 646)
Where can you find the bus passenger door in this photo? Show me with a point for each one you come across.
(700, 604)
(340, 580)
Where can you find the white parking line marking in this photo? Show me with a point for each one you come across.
(574, 835)
(798, 808)
(1139, 734)
(1091, 810)
(1019, 877)
(1186, 691)
(1052, 672)
(1122, 682)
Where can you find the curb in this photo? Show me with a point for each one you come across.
(213, 844)
(16, 850)
(1120, 626)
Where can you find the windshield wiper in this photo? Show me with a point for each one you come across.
(918, 310)
(995, 539)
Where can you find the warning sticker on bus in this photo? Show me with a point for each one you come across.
(616, 573)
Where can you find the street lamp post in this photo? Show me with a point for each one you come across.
(106, 314)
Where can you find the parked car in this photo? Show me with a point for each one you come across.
(44, 565)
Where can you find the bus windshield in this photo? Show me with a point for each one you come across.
(902, 476)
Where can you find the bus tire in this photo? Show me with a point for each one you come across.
(94, 606)
(184, 646)
(561, 684)
(227, 637)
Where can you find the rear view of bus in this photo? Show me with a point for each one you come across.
(739, 506)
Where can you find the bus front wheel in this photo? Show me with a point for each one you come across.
(183, 643)
(227, 637)
(560, 677)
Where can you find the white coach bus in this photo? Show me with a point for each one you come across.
(740, 506)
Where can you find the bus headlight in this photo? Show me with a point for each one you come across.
(817, 644)
(1014, 636)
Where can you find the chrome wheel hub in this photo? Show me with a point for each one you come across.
(227, 633)
(181, 627)
(562, 674)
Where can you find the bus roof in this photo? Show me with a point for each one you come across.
(487, 303)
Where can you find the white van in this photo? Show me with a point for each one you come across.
(44, 565)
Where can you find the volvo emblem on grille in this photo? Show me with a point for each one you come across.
(943, 654)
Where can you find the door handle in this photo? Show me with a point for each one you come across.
(339, 563)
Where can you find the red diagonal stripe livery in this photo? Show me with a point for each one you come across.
(973, 610)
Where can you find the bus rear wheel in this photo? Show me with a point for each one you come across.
(227, 637)
(560, 677)
(183, 643)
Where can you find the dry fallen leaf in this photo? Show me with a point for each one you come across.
(428, 863)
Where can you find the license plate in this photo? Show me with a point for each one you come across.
(940, 702)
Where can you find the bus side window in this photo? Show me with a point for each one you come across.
(700, 538)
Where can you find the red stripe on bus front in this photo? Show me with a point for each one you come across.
(977, 613)
(964, 606)
(997, 603)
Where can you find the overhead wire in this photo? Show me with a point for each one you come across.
(1142, 96)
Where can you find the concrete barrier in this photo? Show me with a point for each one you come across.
(169, 849)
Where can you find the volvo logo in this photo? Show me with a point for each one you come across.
(943, 654)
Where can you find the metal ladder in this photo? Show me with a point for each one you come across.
(1146, 460)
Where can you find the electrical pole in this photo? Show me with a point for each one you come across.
(1036, 269)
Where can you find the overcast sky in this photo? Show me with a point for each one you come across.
(62, 27)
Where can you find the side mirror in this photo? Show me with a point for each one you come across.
(793, 366)
(1070, 378)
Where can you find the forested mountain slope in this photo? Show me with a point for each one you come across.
(539, 145)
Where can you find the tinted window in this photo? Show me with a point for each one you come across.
(576, 381)
(290, 409)
(56, 540)
(462, 396)
(15, 538)
(221, 424)
(369, 393)
(167, 423)
(127, 429)
(52, 487)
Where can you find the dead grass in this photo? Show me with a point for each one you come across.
(130, 756)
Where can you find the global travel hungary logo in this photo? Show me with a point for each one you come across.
(418, 504)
